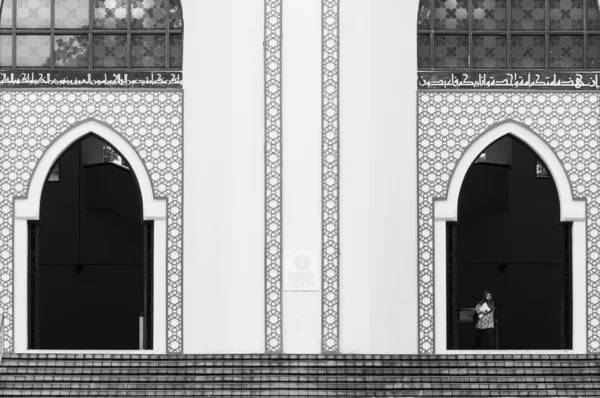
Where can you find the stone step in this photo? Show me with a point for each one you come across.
(301, 393)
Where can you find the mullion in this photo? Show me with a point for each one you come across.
(14, 26)
(547, 20)
(509, 34)
(585, 36)
(52, 35)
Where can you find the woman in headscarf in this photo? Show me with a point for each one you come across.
(484, 328)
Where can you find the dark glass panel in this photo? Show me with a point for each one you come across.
(489, 52)
(566, 14)
(451, 51)
(148, 51)
(71, 51)
(451, 14)
(6, 20)
(593, 15)
(593, 44)
(176, 14)
(33, 50)
(110, 51)
(33, 14)
(489, 14)
(424, 14)
(176, 51)
(528, 52)
(6, 48)
(110, 14)
(528, 14)
(149, 14)
(424, 53)
(72, 14)
(566, 52)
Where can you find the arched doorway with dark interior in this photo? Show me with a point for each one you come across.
(90, 255)
(509, 240)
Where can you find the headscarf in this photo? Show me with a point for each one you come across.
(490, 303)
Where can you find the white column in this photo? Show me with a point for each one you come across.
(301, 166)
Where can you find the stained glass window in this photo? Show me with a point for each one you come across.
(85, 34)
(509, 34)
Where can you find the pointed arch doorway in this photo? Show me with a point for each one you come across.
(566, 215)
(90, 255)
(509, 240)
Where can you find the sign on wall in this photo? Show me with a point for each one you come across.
(301, 271)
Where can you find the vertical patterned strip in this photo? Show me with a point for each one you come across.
(330, 188)
(273, 180)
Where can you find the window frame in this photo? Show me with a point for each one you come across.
(508, 33)
(52, 32)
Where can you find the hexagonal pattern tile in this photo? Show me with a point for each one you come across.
(448, 122)
(151, 121)
(330, 178)
(273, 179)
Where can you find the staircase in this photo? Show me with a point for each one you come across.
(94, 375)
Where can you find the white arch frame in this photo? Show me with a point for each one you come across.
(571, 210)
(28, 208)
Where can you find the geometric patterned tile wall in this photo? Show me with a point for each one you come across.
(330, 178)
(448, 122)
(273, 178)
(151, 121)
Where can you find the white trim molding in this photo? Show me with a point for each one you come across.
(28, 208)
(571, 210)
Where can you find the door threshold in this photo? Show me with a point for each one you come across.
(510, 352)
(99, 352)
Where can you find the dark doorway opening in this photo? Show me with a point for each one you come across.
(90, 255)
(509, 240)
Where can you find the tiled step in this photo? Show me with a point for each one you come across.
(299, 375)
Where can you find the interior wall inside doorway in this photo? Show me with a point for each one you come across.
(89, 287)
(510, 241)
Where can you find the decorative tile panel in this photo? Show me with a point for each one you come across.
(175, 14)
(330, 178)
(273, 178)
(568, 123)
(33, 14)
(148, 51)
(110, 51)
(71, 51)
(451, 14)
(424, 14)
(424, 51)
(110, 14)
(566, 15)
(6, 19)
(452, 51)
(593, 54)
(148, 14)
(175, 51)
(528, 14)
(33, 50)
(151, 121)
(528, 52)
(593, 15)
(489, 14)
(6, 48)
(72, 14)
(566, 52)
(489, 52)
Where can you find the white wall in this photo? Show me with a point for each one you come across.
(223, 176)
(378, 177)
(301, 165)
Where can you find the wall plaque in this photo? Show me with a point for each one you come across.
(301, 272)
